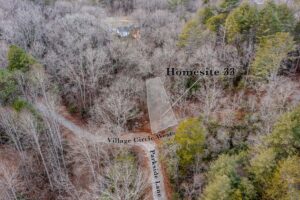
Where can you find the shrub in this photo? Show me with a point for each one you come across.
(191, 84)
(8, 86)
(18, 59)
(19, 105)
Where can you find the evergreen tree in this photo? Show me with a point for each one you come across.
(270, 53)
(225, 180)
(275, 18)
(286, 180)
(240, 21)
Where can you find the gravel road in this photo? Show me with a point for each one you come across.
(149, 147)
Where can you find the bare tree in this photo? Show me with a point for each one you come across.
(8, 184)
(9, 122)
(151, 6)
(123, 6)
(77, 56)
(3, 54)
(29, 125)
(275, 101)
(87, 75)
(209, 94)
(119, 106)
(24, 24)
(127, 179)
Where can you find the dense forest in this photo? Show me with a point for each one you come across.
(238, 136)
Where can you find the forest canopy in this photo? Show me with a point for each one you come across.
(73, 73)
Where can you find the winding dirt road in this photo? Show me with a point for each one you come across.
(149, 148)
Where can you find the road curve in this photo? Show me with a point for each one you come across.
(150, 149)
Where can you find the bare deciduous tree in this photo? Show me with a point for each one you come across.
(119, 106)
(127, 179)
(275, 101)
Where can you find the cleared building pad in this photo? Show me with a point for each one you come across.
(159, 108)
